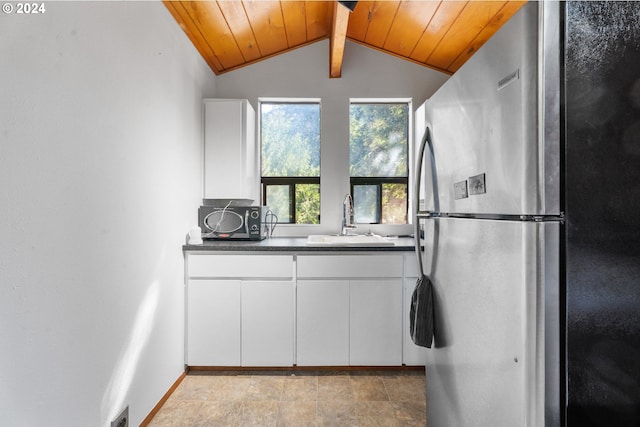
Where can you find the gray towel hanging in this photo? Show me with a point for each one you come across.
(421, 313)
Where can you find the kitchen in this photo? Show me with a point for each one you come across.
(101, 142)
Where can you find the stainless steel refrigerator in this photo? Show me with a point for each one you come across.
(490, 216)
(528, 206)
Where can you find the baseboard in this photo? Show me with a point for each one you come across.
(163, 400)
(304, 368)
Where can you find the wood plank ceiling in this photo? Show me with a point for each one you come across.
(441, 35)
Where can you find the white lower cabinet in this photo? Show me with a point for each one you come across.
(267, 323)
(323, 323)
(365, 327)
(333, 309)
(240, 310)
(213, 323)
(375, 322)
(413, 355)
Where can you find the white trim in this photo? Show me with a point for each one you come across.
(380, 100)
(290, 100)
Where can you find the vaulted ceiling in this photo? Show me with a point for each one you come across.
(441, 35)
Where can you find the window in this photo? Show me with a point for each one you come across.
(290, 150)
(378, 167)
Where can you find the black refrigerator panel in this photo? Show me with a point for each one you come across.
(602, 205)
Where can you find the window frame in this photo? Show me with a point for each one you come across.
(378, 180)
(290, 181)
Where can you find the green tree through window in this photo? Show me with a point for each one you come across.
(290, 144)
(378, 153)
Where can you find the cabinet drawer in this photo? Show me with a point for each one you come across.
(240, 266)
(346, 266)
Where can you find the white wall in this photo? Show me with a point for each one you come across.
(100, 180)
(304, 72)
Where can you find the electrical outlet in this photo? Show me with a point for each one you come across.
(477, 184)
(121, 420)
(460, 190)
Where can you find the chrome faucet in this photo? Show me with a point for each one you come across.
(348, 226)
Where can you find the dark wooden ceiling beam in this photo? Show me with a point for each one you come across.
(338, 39)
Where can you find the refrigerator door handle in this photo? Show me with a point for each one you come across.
(417, 214)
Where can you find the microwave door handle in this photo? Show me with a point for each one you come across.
(246, 221)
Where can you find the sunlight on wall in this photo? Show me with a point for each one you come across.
(114, 396)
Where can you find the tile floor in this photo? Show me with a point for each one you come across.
(357, 398)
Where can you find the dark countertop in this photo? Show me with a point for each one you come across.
(293, 244)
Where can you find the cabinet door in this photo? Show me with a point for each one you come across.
(229, 149)
(376, 322)
(213, 323)
(322, 323)
(267, 323)
(413, 355)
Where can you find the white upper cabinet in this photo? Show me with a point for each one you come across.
(230, 154)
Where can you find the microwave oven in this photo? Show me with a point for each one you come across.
(233, 222)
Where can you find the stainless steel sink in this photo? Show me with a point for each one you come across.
(356, 240)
